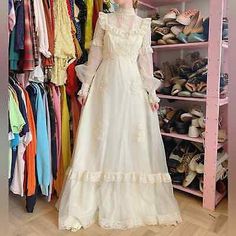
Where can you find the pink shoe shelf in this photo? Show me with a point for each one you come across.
(214, 47)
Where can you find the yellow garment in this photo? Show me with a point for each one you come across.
(64, 44)
(65, 142)
(65, 130)
(78, 50)
(89, 24)
(100, 2)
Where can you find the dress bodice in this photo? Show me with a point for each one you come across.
(123, 35)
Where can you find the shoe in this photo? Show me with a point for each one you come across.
(188, 28)
(182, 38)
(161, 30)
(170, 144)
(175, 157)
(202, 87)
(193, 132)
(177, 178)
(195, 38)
(166, 90)
(168, 126)
(196, 111)
(195, 162)
(191, 175)
(158, 23)
(159, 75)
(222, 136)
(181, 127)
(186, 117)
(156, 36)
(172, 23)
(184, 71)
(176, 30)
(202, 122)
(187, 157)
(198, 28)
(199, 63)
(172, 41)
(171, 15)
(225, 29)
(184, 94)
(176, 89)
(198, 95)
(195, 122)
(185, 17)
(161, 42)
(191, 85)
(168, 36)
(205, 25)
(199, 168)
(201, 182)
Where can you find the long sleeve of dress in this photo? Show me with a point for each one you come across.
(86, 72)
(145, 63)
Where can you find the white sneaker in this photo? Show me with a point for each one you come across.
(177, 29)
(193, 132)
(189, 178)
(171, 15)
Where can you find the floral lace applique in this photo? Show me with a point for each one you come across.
(139, 133)
(99, 130)
(135, 87)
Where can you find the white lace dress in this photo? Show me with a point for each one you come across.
(118, 176)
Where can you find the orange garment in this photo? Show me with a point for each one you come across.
(30, 152)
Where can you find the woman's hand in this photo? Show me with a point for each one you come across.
(82, 99)
(154, 106)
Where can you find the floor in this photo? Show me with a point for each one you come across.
(43, 222)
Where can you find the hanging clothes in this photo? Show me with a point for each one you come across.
(63, 55)
(48, 10)
(30, 152)
(89, 24)
(28, 63)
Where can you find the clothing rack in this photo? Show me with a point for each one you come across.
(42, 70)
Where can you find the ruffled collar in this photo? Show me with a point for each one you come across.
(126, 11)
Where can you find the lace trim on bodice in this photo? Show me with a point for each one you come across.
(145, 24)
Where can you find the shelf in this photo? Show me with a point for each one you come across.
(158, 3)
(219, 196)
(186, 137)
(182, 136)
(182, 98)
(181, 46)
(188, 190)
(224, 101)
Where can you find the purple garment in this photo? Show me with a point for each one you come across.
(10, 4)
(20, 25)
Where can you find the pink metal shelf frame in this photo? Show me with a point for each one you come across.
(158, 3)
(222, 102)
(186, 137)
(215, 45)
(181, 46)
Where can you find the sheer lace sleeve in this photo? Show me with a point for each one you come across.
(145, 63)
(87, 71)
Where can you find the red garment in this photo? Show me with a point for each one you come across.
(72, 87)
(28, 60)
(95, 13)
(48, 10)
